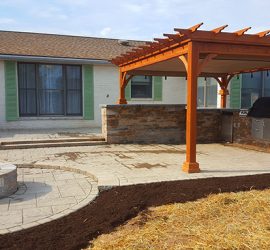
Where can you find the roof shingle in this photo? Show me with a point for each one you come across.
(62, 46)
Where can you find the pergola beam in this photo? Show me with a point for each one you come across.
(195, 27)
(219, 29)
(263, 33)
(235, 49)
(152, 59)
(172, 73)
(205, 61)
(242, 31)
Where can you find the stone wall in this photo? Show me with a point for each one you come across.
(157, 124)
(166, 124)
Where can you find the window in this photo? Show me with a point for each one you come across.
(266, 85)
(141, 87)
(207, 92)
(254, 85)
(251, 88)
(27, 89)
(49, 89)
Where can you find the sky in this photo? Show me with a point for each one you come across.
(128, 19)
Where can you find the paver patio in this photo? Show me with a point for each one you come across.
(45, 134)
(54, 182)
(131, 164)
(44, 195)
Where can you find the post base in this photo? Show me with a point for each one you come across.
(122, 101)
(191, 167)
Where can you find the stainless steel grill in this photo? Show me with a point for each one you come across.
(260, 113)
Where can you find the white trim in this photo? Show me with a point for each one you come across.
(37, 118)
(53, 59)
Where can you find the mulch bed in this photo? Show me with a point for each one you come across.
(116, 205)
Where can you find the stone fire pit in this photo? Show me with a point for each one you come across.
(8, 179)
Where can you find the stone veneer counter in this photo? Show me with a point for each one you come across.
(158, 123)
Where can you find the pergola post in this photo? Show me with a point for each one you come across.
(190, 165)
(122, 86)
(223, 83)
(223, 94)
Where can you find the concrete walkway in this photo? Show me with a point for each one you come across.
(115, 165)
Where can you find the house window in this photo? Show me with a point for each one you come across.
(251, 89)
(49, 89)
(207, 92)
(141, 87)
(254, 85)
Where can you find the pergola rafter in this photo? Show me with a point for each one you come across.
(193, 52)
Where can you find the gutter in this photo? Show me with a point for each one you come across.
(54, 59)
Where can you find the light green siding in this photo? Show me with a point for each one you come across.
(128, 91)
(235, 92)
(11, 91)
(88, 92)
(157, 81)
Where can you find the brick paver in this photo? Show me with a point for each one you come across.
(131, 164)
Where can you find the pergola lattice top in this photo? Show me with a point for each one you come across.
(215, 36)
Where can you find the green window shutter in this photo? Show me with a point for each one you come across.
(128, 91)
(88, 92)
(235, 92)
(11, 91)
(157, 81)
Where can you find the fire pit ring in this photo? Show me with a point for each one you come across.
(8, 179)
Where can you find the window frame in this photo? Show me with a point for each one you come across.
(143, 98)
(19, 90)
(38, 90)
(207, 83)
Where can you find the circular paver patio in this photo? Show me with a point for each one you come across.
(44, 195)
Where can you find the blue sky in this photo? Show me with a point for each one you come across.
(140, 20)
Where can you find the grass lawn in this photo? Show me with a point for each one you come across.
(224, 221)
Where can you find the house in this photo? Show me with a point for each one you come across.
(60, 81)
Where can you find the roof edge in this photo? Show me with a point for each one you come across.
(66, 35)
(53, 59)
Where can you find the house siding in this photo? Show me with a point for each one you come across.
(11, 91)
(2, 93)
(106, 91)
(173, 92)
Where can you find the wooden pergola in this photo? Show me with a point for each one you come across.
(193, 53)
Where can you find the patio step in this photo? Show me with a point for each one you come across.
(64, 142)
